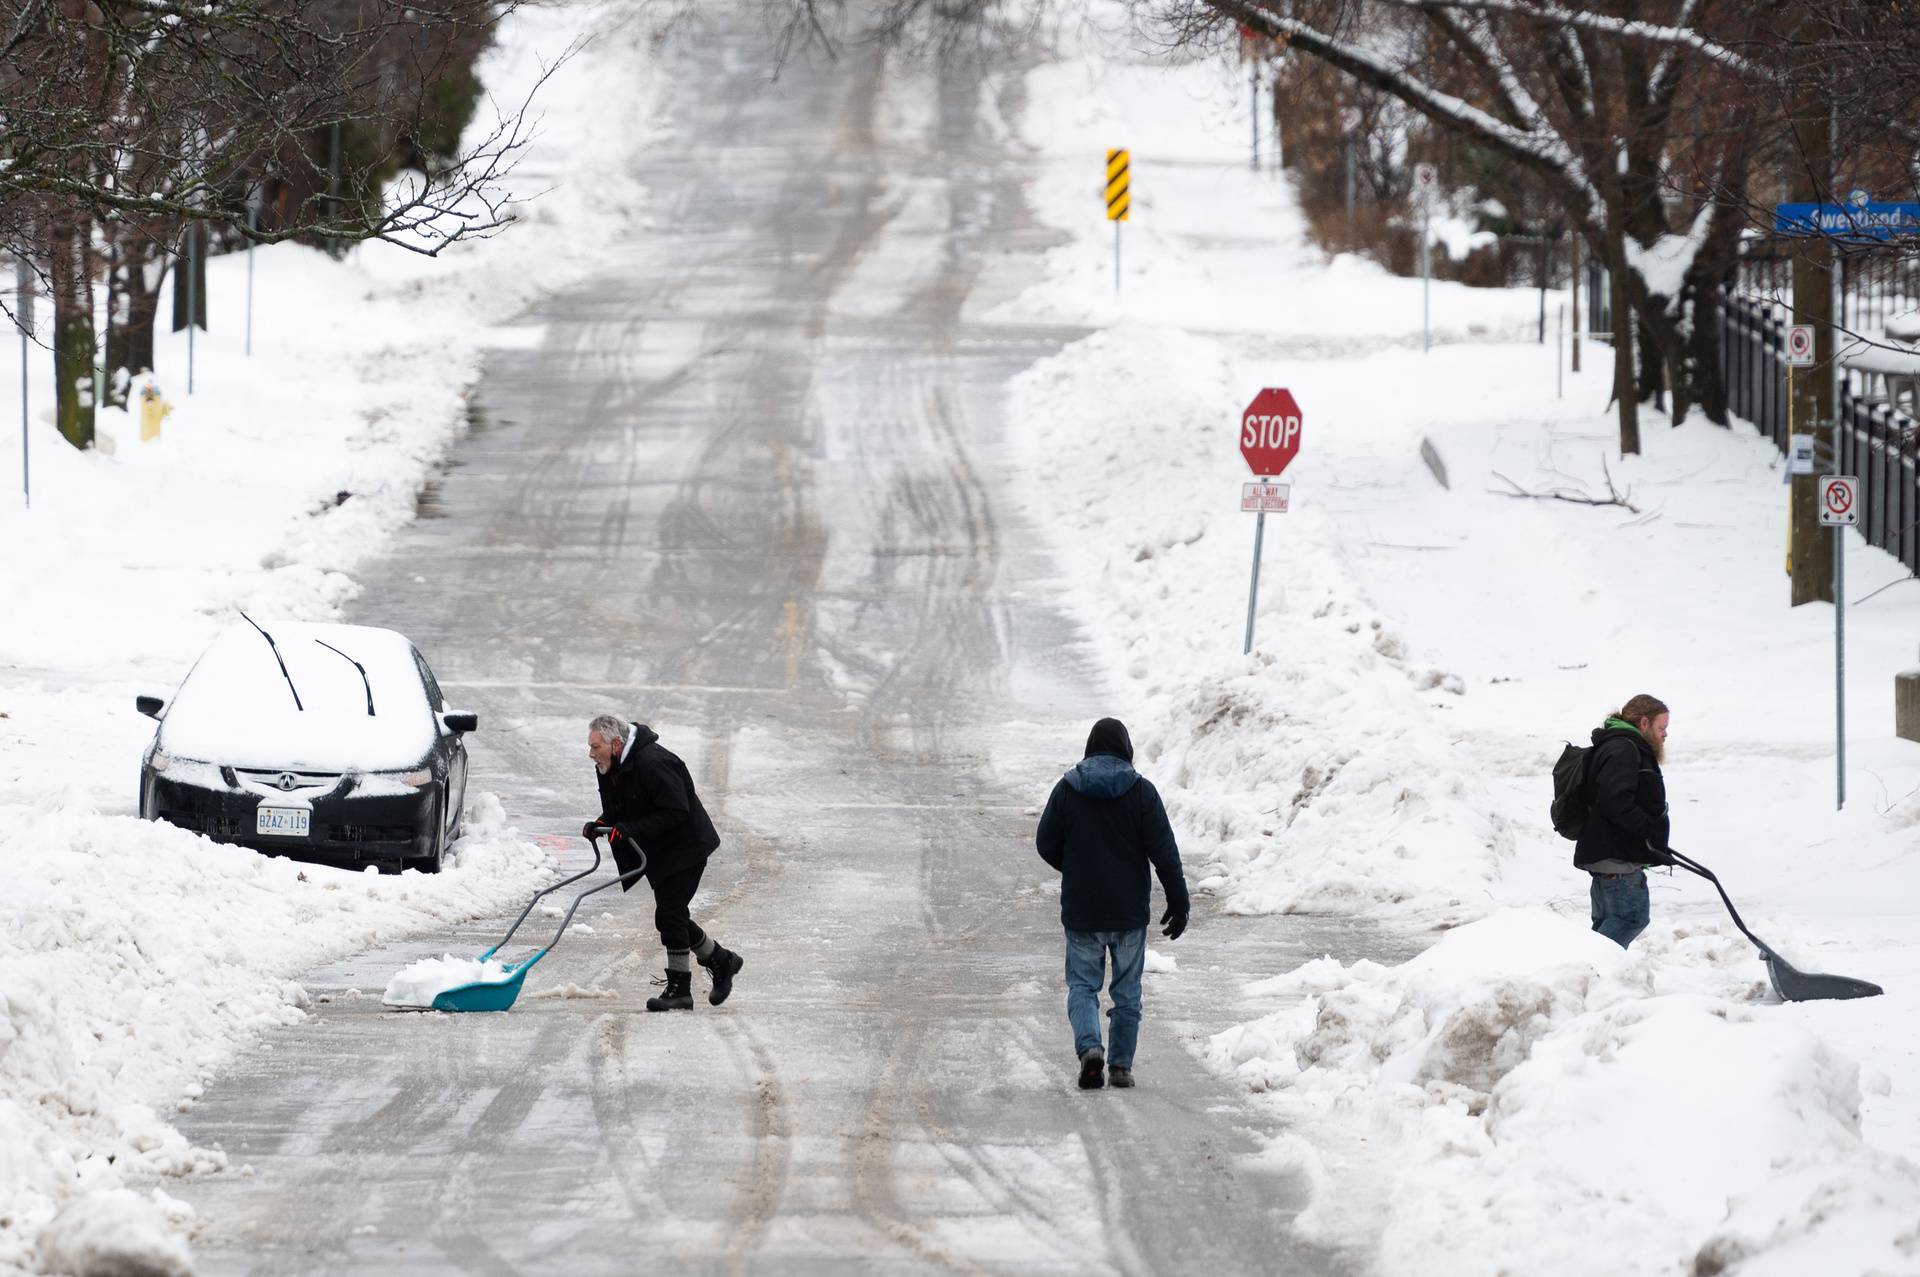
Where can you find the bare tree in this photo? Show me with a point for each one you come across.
(122, 122)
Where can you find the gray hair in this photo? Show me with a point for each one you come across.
(607, 727)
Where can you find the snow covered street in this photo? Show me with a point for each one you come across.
(816, 434)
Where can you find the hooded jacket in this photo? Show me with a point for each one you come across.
(1627, 815)
(649, 797)
(1103, 826)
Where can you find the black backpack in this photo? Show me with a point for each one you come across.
(1570, 798)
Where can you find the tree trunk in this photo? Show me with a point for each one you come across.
(1650, 363)
(193, 243)
(72, 288)
(1628, 405)
(138, 274)
(1811, 550)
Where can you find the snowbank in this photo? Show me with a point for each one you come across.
(1524, 1076)
(1313, 774)
(134, 958)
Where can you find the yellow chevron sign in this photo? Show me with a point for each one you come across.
(1117, 198)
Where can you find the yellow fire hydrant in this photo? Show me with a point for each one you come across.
(153, 409)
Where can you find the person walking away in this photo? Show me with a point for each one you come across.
(1104, 824)
(1626, 828)
(648, 798)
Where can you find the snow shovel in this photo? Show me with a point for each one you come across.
(498, 995)
(1791, 984)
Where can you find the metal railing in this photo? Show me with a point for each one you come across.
(1876, 436)
(1873, 438)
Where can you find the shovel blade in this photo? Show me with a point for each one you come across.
(1811, 986)
(487, 995)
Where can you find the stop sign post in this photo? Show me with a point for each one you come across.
(1269, 440)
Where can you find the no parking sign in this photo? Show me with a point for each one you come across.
(1839, 500)
(1799, 346)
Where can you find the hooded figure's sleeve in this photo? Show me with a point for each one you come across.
(1051, 837)
(1163, 851)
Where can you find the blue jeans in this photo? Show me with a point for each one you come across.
(1620, 907)
(1086, 971)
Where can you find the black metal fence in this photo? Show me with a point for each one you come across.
(1875, 435)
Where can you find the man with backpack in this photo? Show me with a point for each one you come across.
(1612, 800)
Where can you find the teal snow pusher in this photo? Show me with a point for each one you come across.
(498, 995)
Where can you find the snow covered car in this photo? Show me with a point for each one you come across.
(320, 742)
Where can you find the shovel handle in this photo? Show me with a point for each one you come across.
(624, 879)
(543, 892)
(1693, 866)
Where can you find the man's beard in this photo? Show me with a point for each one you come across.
(1659, 748)
(604, 768)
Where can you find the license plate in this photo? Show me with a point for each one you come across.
(284, 822)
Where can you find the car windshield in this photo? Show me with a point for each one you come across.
(235, 707)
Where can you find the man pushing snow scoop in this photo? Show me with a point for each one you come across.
(483, 984)
(1611, 800)
(658, 830)
(661, 831)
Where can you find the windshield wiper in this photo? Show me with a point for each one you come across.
(276, 656)
(357, 665)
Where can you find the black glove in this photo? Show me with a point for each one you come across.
(1173, 922)
(592, 830)
(1661, 856)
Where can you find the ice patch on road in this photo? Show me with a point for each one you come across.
(574, 991)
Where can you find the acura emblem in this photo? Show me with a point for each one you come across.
(286, 782)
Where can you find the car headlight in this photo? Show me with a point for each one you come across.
(161, 760)
(418, 777)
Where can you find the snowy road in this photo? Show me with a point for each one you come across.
(750, 486)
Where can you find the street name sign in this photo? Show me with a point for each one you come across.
(1873, 220)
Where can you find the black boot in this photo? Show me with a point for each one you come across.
(722, 965)
(677, 996)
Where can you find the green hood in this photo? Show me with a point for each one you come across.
(1620, 723)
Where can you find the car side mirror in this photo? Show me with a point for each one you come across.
(149, 705)
(461, 722)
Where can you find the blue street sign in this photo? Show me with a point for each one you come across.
(1868, 221)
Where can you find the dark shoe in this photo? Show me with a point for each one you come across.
(1119, 1078)
(1093, 1067)
(722, 965)
(677, 996)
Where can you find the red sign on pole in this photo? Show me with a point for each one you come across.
(1270, 432)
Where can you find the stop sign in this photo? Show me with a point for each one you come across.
(1270, 432)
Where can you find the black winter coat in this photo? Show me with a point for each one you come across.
(1104, 824)
(1628, 807)
(649, 797)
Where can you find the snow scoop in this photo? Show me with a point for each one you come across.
(1791, 984)
(498, 995)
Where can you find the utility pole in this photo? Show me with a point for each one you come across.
(1811, 561)
(1573, 286)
